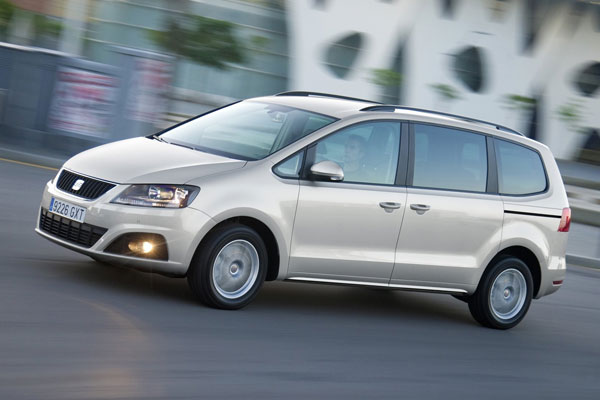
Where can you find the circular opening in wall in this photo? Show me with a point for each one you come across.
(587, 80)
(342, 54)
(469, 68)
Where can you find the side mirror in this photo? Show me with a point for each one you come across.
(328, 169)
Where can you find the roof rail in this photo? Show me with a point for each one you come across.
(317, 94)
(392, 108)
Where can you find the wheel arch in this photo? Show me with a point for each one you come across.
(524, 254)
(266, 234)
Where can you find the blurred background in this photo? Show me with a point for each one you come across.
(100, 70)
(78, 73)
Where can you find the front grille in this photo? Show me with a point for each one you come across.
(91, 188)
(72, 231)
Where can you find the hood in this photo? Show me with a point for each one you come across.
(143, 160)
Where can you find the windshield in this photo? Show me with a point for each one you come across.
(247, 130)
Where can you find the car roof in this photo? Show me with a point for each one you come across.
(343, 107)
(332, 105)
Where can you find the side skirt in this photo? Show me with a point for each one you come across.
(430, 289)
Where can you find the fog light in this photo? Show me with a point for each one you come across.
(140, 244)
(140, 247)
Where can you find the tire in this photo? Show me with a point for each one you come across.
(503, 295)
(99, 260)
(463, 298)
(229, 267)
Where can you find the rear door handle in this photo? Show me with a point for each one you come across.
(420, 207)
(389, 205)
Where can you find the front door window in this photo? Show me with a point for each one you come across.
(367, 152)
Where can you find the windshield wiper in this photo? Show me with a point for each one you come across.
(156, 137)
(205, 150)
(187, 146)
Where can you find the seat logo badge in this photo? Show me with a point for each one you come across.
(78, 184)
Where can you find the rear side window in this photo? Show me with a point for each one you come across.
(520, 170)
(449, 159)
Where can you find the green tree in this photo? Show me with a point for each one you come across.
(45, 26)
(204, 40)
(7, 9)
(445, 92)
(389, 81)
(519, 102)
(386, 78)
(570, 114)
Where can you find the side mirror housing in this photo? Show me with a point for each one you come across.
(328, 169)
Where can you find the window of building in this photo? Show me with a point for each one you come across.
(446, 158)
(448, 8)
(498, 9)
(469, 69)
(367, 152)
(587, 80)
(520, 170)
(320, 4)
(341, 55)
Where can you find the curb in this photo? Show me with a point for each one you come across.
(584, 214)
(31, 158)
(581, 261)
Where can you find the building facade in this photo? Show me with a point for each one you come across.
(532, 65)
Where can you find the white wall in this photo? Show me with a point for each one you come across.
(564, 44)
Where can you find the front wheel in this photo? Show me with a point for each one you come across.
(504, 294)
(229, 267)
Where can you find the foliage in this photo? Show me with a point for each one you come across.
(7, 10)
(446, 92)
(516, 101)
(275, 4)
(45, 26)
(570, 114)
(204, 40)
(386, 78)
(259, 42)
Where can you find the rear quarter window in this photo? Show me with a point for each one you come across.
(520, 170)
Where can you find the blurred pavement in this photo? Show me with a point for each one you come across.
(72, 328)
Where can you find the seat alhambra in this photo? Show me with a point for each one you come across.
(322, 188)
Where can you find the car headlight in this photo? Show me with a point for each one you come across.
(163, 196)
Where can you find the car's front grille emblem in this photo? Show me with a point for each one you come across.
(78, 184)
(82, 186)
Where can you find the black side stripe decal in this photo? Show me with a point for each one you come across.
(532, 214)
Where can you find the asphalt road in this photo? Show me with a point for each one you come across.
(71, 328)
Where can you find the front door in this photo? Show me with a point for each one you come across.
(348, 230)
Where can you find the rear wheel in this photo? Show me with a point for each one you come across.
(229, 267)
(504, 294)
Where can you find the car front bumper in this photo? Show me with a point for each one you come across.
(182, 229)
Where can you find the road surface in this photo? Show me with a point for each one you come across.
(71, 328)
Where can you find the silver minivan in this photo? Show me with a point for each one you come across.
(321, 188)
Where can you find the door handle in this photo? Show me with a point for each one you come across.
(420, 207)
(389, 205)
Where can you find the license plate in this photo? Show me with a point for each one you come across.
(67, 210)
